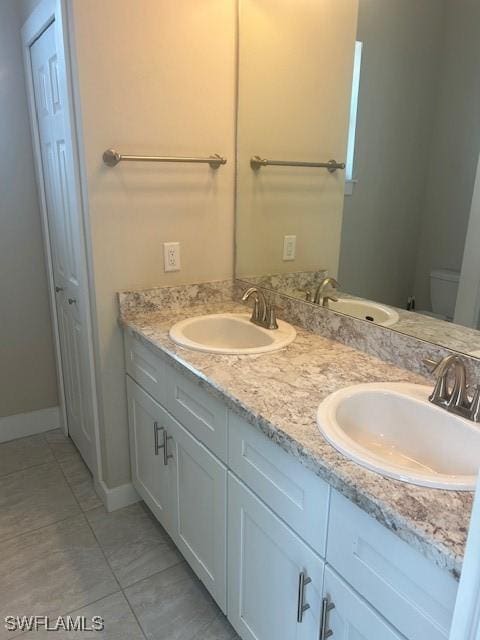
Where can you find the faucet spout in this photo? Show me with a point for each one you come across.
(455, 397)
(320, 296)
(263, 313)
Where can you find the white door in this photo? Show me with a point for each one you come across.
(66, 239)
(152, 474)
(200, 510)
(267, 564)
(348, 617)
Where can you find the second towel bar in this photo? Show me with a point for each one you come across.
(332, 165)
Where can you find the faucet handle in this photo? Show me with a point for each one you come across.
(474, 409)
(431, 364)
(272, 317)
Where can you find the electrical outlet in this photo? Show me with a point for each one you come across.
(171, 256)
(289, 247)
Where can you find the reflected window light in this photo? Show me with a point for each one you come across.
(357, 63)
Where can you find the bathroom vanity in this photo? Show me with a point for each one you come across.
(291, 539)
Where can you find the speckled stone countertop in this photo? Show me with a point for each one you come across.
(279, 394)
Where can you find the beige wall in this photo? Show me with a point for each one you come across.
(455, 148)
(402, 42)
(295, 70)
(156, 77)
(27, 366)
(25, 8)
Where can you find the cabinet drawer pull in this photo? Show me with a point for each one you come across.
(166, 455)
(302, 606)
(156, 429)
(164, 445)
(327, 606)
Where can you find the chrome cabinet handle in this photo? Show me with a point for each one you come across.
(156, 429)
(58, 289)
(164, 445)
(166, 455)
(327, 606)
(302, 606)
(72, 301)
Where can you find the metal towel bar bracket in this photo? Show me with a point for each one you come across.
(332, 165)
(111, 158)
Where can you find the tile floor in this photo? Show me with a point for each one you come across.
(61, 553)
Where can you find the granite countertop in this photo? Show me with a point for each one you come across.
(279, 393)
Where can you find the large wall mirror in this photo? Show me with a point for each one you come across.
(358, 148)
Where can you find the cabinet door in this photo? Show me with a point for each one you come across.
(200, 510)
(151, 477)
(266, 562)
(350, 617)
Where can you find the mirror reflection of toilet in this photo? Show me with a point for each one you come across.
(443, 294)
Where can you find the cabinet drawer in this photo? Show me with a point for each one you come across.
(198, 411)
(412, 593)
(352, 618)
(291, 491)
(146, 368)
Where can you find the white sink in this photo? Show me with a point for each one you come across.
(393, 429)
(365, 310)
(230, 333)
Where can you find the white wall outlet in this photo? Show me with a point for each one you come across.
(289, 247)
(171, 256)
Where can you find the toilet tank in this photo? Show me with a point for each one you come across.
(443, 291)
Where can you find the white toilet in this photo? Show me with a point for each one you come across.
(443, 293)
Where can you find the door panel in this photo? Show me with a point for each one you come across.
(152, 479)
(200, 499)
(265, 560)
(66, 240)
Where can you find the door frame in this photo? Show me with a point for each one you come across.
(467, 307)
(46, 12)
(466, 617)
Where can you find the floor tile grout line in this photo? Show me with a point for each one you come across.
(123, 589)
(33, 466)
(82, 513)
(59, 463)
(37, 529)
(102, 551)
(144, 633)
(155, 573)
(115, 576)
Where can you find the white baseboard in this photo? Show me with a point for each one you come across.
(117, 497)
(29, 424)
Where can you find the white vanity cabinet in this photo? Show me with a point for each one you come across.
(182, 482)
(284, 555)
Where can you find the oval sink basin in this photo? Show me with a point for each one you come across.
(365, 310)
(230, 333)
(393, 429)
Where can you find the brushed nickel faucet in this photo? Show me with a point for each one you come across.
(454, 398)
(320, 296)
(263, 313)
